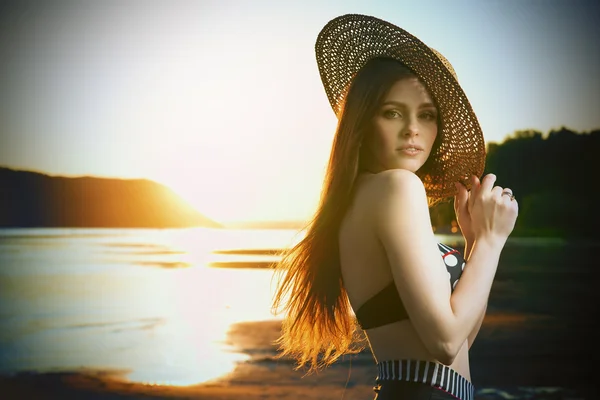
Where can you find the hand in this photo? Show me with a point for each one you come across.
(461, 209)
(493, 215)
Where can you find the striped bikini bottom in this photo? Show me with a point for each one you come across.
(426, 373)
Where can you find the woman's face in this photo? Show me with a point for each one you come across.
(404, 129)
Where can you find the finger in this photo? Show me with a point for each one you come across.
(487, 183)
(497, 192)
(506, 200)
(461, 198)
(507, 195)
(510, 204)
(463, 194)
(475, 183)
(475, 187)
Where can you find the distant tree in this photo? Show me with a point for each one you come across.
(553, 177)
(554, 213)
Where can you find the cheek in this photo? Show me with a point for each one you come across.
(386, 143)
(385, 137)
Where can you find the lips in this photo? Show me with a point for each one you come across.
(410, 147)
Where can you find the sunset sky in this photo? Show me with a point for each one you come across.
(222, 101)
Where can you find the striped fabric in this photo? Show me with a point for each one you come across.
(428, 372)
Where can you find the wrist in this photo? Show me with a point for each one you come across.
(491, 242)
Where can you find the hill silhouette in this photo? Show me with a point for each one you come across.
(30, 199)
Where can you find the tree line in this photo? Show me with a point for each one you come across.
(553, 178)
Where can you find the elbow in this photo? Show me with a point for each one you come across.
(446, 353)
(442, 346)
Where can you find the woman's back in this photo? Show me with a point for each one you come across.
(366, 272)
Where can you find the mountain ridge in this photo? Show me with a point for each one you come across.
(33, 199)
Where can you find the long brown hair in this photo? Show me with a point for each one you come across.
(318, 326)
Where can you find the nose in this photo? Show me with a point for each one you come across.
(411, 129)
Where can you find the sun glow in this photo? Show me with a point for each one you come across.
(201, 304)
(231, 142)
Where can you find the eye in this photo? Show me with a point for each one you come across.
(429, 115)
(390, 114)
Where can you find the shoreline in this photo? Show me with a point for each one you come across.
(101, 385)
(267, 378)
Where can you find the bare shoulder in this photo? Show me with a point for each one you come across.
(396, 188)
(398, 181)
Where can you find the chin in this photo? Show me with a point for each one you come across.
(410, 166)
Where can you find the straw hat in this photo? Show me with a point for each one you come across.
(345, 45)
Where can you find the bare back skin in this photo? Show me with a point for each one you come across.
(366, 270)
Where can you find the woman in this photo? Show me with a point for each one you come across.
(407, 138)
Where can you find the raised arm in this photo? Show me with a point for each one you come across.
(443, 321)
(461, 209)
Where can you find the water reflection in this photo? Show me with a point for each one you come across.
(138, 300)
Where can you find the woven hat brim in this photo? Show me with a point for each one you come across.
(348, 42)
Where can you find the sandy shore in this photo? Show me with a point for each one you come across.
(264, 377)
(102, 386)
(260, 378)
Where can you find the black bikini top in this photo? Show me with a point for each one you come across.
(386, 306)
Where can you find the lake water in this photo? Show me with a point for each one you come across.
(129, 299)
(152, 302)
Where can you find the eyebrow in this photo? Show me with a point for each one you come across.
(397, 103)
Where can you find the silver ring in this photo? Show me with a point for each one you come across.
(508, 193)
